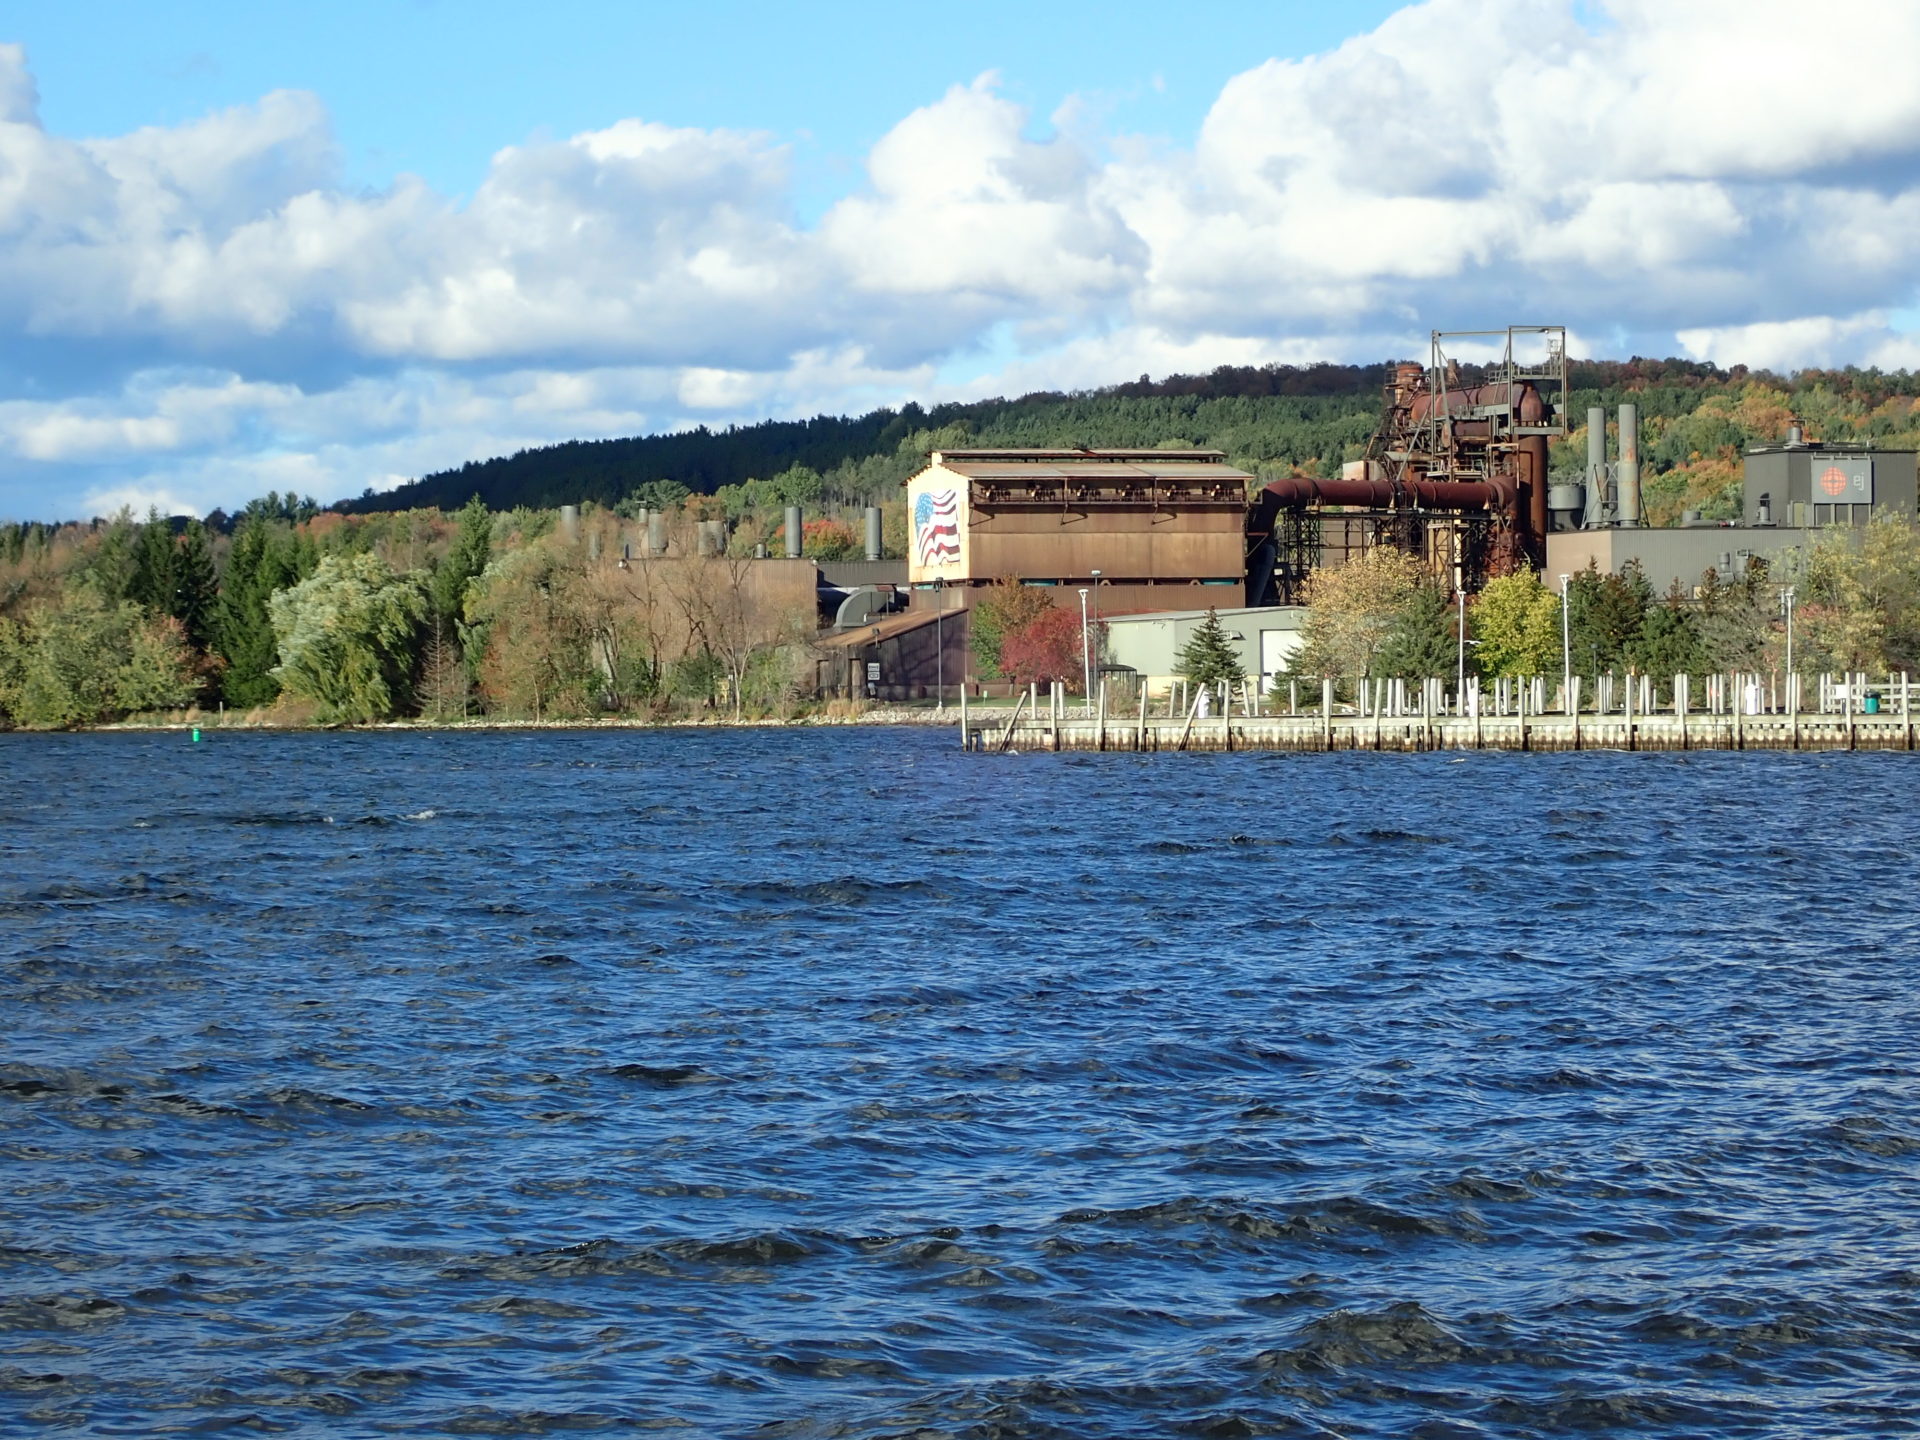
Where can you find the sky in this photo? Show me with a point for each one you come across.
(325, 248)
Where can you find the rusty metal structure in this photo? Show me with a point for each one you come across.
(1455, 474)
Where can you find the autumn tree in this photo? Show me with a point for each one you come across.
(1516, 626)
(1047, 648)
(1003, 609)
(1353, 607)
(86, 658)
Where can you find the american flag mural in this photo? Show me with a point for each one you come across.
(936, 527)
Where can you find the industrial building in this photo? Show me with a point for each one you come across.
(1136, 523)
(1146, 648)
(1793, 492)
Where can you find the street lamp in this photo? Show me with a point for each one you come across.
(1088, 642)
(1460, 667)
(939, 642)
(1566, 648)
(1086, 651)
(1786, 604)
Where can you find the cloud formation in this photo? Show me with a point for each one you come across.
(205, 311)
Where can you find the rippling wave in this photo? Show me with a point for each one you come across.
(806, 1084)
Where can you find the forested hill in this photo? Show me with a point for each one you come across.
(1269, 419)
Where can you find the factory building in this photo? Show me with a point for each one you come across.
(1146, 648)
(1147, 527)
(1792, 493)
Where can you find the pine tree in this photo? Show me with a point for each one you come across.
(195, 589)
(152, 581)
(261, 562)
(463, 563)
(1209, 656)
(1423, 641)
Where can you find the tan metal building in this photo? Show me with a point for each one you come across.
(1133, 521)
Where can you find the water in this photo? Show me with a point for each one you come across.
(839, 1084)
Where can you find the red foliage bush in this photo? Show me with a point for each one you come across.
(1048, 648)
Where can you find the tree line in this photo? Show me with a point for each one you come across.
(1855, 606)
(1271, 420)
(351, 619)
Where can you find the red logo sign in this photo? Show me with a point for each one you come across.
(1834, 480)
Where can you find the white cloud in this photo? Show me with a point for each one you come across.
(1654, 175)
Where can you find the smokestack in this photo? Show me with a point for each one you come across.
(1595, 512)
(873, 532)
(570, 524)
(656, 533)
(793, 532)
(1630, 466)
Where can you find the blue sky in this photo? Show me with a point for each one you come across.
(435, 87)
(272, 246)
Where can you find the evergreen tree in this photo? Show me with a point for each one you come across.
(195, 589)
(1423, 641)
(1209, 656)
(456, 572)
(1605, 615)
(1669, 642)
(152, 581)
(111, 569)
(261, 562)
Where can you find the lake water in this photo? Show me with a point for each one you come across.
(836, 1083)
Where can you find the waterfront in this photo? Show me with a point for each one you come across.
(839, 1081)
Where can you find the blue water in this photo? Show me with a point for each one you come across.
(840, 1084)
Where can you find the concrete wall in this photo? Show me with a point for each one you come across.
(1151, 644)
(1669, 555)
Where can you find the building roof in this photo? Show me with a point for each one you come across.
(1225, 613)
(887, 627)
(1098, 457)
(1079, 469)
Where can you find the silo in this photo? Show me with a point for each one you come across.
(656, 533)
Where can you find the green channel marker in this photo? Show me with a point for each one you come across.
(196, 734)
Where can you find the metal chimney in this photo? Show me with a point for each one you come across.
(793, 532)
(1629, 471)
(873, 532)
(1595, 513)
(570, 524)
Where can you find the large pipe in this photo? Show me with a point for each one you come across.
(873, 532)
(1630, 466)
(793, 532)
(1595, 511)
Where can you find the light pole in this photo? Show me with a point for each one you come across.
(1460, 666)
(1086, 651)
(939, 642)
(1786, 604)
(1566, 648)
(1095, 641)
